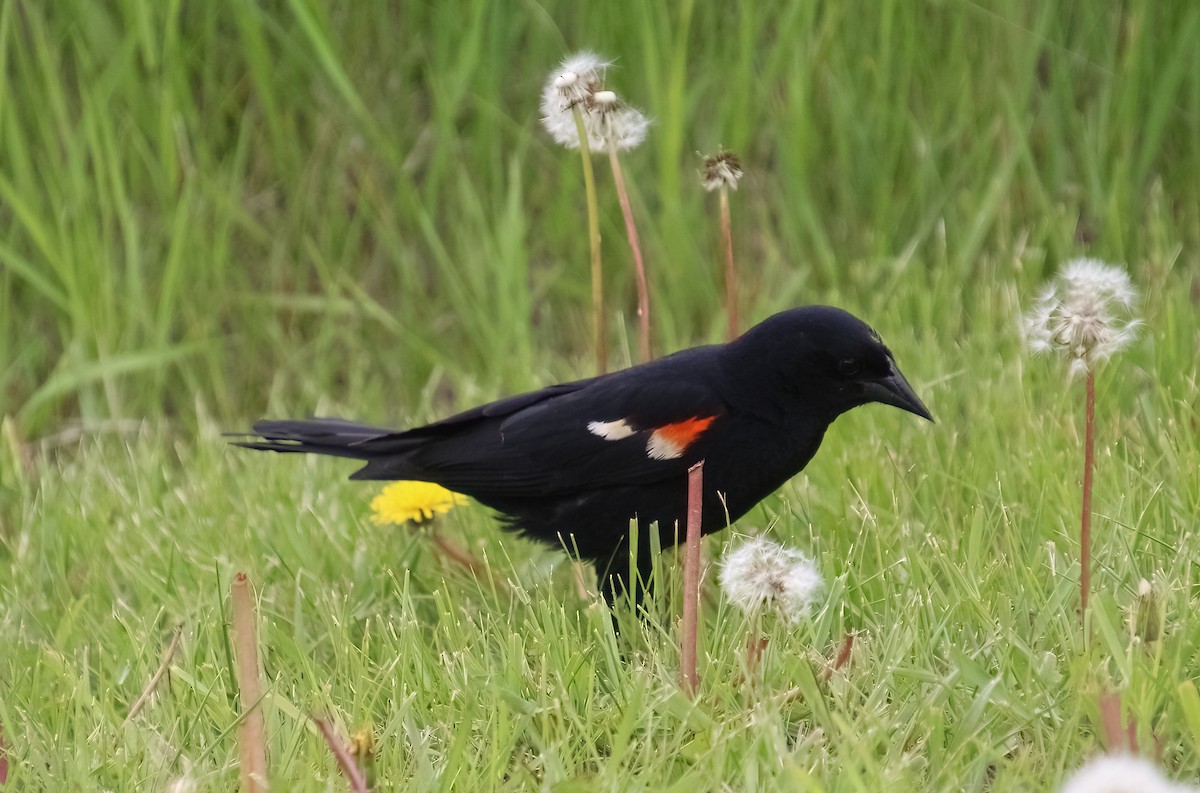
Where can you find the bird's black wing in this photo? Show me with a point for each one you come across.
(615, 431)
(344, 438)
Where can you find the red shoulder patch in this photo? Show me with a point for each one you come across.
(672, 440)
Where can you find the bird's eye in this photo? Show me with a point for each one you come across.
(848, 367)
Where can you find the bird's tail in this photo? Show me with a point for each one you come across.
(334, 437)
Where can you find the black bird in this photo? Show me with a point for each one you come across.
(572, 464)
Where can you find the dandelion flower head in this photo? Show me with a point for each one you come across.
(578, 84)
(1121, 774)
(760, 573)
(723, 170)
(1086, 313)
(576, 78)
(401, 502)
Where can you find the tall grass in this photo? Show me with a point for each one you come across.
(258, 205)
(214, 211)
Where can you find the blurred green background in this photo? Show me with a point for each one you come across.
(215, 211)
(247, 207)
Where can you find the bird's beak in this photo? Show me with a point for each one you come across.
(894, 390)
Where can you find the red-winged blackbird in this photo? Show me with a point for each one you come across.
(573, 464)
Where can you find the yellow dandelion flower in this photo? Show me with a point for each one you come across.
(400, 502)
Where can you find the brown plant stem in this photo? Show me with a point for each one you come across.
(459, 555)
(689, 679)
(251, 732)
(843, 656)
(593, 211)
(159, 674)
(643, 289)
(731, 291)
(841, 659)
(354, 775)
(1089, 462)
(756, 645)
(1120, 736)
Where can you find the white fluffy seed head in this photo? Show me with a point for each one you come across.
(572, 82)
(762, 574)
(1121, 773)
(578, 84)
(604, 100)
(1085, 313)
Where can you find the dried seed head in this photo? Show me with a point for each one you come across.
(721, 170)
(603, 101)
(1085, 313)
(1147, 615)
(578, 83)
(1119, 773)
(576, 78)
(761, 573)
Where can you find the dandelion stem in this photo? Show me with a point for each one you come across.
(731, 293)
(252, 730)
(643, 290)
(158, 675)
(458, 554)
(689, 679)
(1120, 735)
(593, 210)
(756, 645)
(1089, 461)
(354, 775)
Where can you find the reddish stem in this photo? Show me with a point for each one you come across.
(459, 555)
(252, 741)
(755, 646)
(1085, 528)
(843, 656)
(1120, 736)
(731, 292)
(354, 775)
(643, 290)
(689, 679)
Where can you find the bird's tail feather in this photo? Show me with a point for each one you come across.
(328, 436)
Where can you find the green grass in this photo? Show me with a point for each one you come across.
(213, 212)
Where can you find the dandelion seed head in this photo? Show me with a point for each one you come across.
(604, 101)
(571, 84)
(575, 79)
(183, 784)
(401, 502)
(1085, 313)
(588, 65)
(1121, 774)
(625, 127)
(1146, 615)
(721, 170)
(578, 84)
(764, 574)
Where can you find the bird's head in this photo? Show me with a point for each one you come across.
(828, 357)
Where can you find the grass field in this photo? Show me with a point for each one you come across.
(218, 211)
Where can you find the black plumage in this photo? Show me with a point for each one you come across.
(573, 464)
